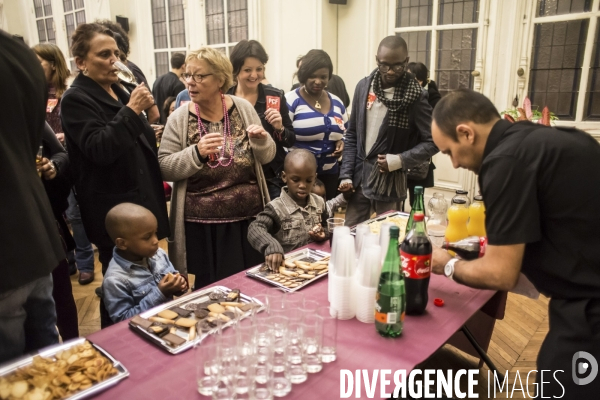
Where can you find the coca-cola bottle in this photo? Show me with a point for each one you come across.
(468, 248)
(415, 254)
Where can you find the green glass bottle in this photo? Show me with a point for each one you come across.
(390, 300)
(417, 206)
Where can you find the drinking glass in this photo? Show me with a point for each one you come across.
(125, 74)
(310, 306)
(333, 223)
(38, 160)
(329, 320)
(217, 127)
(261, 385)
(268, 298)
(293, 300)
(206, 366)
(312, 337)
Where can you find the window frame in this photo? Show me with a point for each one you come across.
(435, 27)
(70, 59)
(169, 50)
(44, 18)
(227, 45)
(593, 16)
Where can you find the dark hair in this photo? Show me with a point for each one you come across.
(177, 60)
(244, 49)
(52, 54)
(460, 106)
(419, 70)
(392, 42)
(167, 104)
(312, 61)
(319, 183)
(119, 35)
(83, 35)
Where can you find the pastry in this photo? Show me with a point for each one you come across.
(185, 322)
(201, 313)
(173, 339)
(217, 308)
(141, 322)
(168, 314)
(181, 312)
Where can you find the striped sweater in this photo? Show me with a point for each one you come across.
(316, 131)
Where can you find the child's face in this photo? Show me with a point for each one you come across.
(141, 241)
(319, 191)
(299, 179)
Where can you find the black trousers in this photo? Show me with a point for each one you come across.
(574, 328)
(331, 184)
(66, 309)
(104, 256)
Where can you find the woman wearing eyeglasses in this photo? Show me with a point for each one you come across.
(213, 149)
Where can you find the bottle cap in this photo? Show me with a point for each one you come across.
(418, 189)
(418, 217)
(462, 192)
(478, 198)
(459, 201)
(438, 302)
(394, 232)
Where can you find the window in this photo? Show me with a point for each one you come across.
(74, 16)
(560, 77)
(168, 28)
(44, 21)
(445, 42)
(225, 36)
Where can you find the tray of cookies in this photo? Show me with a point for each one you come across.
(76, 369)
(299, 268)
(177, 325)
(400, 219)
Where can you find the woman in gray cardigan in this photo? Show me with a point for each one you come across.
(213, 149)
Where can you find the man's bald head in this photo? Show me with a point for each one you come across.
(124, 219)
(393, 42)
(300, 158)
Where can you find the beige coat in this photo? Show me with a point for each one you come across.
(178, 162)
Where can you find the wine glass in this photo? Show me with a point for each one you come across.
(125, 73)
(38, 160)
(217, 127)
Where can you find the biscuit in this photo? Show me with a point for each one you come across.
(185, 322)
(174, 339)
(168, 314)
(217, 308)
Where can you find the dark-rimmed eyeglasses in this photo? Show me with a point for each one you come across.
(396, 67)
(198, 78)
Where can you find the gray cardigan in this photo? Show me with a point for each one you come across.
(178, 161)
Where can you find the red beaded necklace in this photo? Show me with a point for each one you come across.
(222, 161)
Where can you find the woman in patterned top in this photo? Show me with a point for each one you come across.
(56, 73)
(213, 149)
(319, 118)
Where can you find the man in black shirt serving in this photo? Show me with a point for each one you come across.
(541, 187)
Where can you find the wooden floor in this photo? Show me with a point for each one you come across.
(514, 347)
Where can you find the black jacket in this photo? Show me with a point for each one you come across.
(287, 139)
(113, 154)
(357, 165)
(433, 93)
(166, 85)
(29, 239)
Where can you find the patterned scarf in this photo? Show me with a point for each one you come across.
(407, 92)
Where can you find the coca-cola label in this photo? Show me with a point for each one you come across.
(416, 266)
(482, 245)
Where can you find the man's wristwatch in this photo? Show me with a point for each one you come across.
(449, 268)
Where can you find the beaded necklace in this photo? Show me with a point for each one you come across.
(213, 162)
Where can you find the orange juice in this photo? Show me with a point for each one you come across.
(476, 226)
(458, 215)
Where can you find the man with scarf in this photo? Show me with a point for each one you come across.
(389, 135)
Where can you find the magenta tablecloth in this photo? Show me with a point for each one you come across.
(156, 374)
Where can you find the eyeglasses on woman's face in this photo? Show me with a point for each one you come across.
(198, 78)
(398, 68)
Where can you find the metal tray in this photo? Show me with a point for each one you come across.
(194, 297)
(50, 352)
(381, 218)
(309, 255)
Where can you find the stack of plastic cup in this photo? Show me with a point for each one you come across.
(365, 286)
(361, 231)
(342, 277)
(340, 231)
